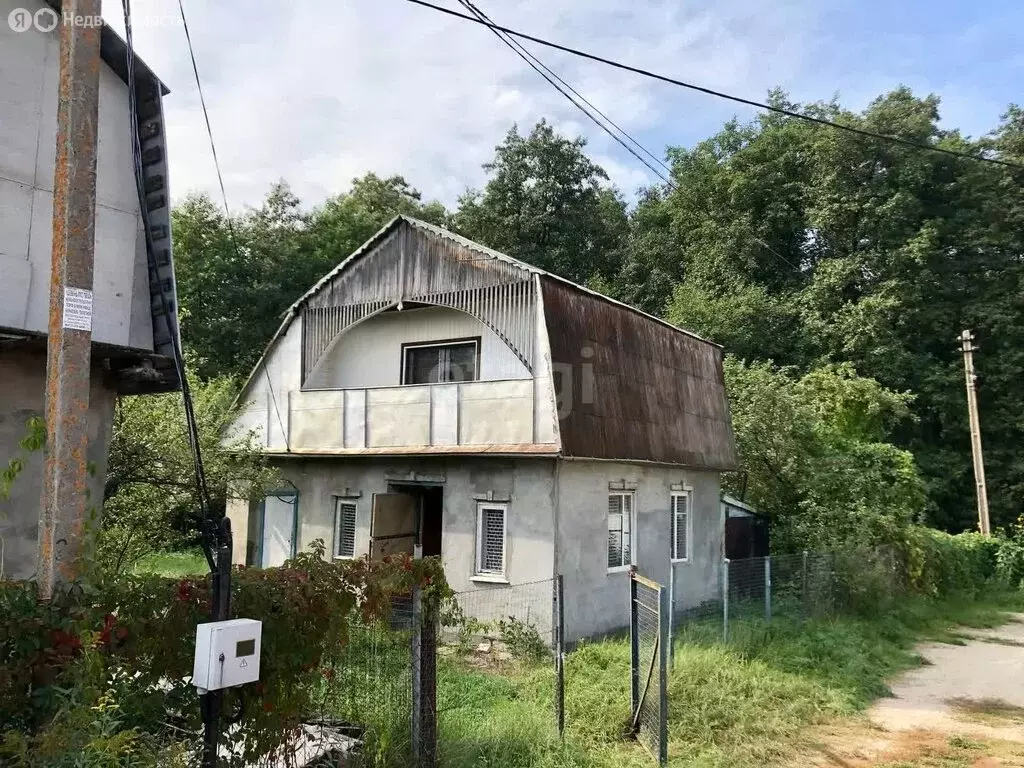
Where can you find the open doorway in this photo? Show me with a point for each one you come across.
(430, 503)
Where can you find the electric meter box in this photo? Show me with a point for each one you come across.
(227, 654)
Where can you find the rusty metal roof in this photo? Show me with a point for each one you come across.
(631, 388)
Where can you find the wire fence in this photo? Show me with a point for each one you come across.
(374, 705)
(648, 653)
(501, 622)
(796, 586)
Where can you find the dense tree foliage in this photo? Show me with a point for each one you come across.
(815, 256)
(807, 246)
(548, 204)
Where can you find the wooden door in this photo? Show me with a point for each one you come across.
(394, 524)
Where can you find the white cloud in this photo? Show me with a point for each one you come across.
(319, 91)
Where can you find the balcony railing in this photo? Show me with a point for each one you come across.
(432, 416)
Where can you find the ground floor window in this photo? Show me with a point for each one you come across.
(490, 539)
(681, 525)
(620, 530)
(344, 527)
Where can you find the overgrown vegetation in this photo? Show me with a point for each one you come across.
(744, 704)
(97, 673)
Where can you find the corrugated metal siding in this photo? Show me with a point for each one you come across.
(640, 389)
(410, 264)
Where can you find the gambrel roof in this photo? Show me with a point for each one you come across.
(640, 388)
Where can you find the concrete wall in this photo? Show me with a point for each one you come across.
(526, 483)
(596, 600)
(29, 63)
(370, 354)
(22, 384)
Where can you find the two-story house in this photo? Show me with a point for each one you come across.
(133, 320)
(432, 395)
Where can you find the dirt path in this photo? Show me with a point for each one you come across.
(963, 707)
(976, 688)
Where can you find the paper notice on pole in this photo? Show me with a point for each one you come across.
(77, 309)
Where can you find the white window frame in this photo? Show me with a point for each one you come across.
(478, 573)
(338, 502)
(687, 493)
(632, 533)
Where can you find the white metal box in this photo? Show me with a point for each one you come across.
(227, 654)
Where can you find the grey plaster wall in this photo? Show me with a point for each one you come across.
(527, 484)
(22, 386)
(596, 599)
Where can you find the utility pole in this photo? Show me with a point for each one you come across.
(968, 348)
(69, 344)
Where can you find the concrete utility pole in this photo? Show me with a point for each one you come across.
(968, 348)
(69, 345)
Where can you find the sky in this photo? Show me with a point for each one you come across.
(317, 92)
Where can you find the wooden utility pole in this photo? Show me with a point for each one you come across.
(968, 348)
(69, 344)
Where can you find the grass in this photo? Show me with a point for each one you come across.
(173, 564)
(743, 704)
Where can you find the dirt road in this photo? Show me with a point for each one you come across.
(972, 689)
(963, 707)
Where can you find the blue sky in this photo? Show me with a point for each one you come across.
(319, 91)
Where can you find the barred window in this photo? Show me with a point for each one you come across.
(681, 525)
(620, 529)
(344, 528)
(490, 539)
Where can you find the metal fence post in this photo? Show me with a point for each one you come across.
(804, 593)
(671, 614)
(560, 655)
(417, 675)
(663, 652)
(634, 645)
(768, 588)
(725, 600)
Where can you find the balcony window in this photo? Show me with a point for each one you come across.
(436, 362)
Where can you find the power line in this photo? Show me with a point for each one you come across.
(224, 196)
(720, 94)
(534, 63)
(537, 65)
(192, 429)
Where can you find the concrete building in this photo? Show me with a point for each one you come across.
(431, 393)
(133, 286)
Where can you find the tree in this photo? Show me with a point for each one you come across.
(547, 204)
(815, 457)
(807, 245)
(150, 497)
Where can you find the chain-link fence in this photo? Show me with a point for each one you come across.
(487, 629)
(501, 621)
(795, 586)
(649, 638)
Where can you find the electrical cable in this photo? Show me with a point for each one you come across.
(224, 197)
(192, 430)
(537, 65)
(720, 94)
(532, 60)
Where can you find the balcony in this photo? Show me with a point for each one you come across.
(463, 417)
